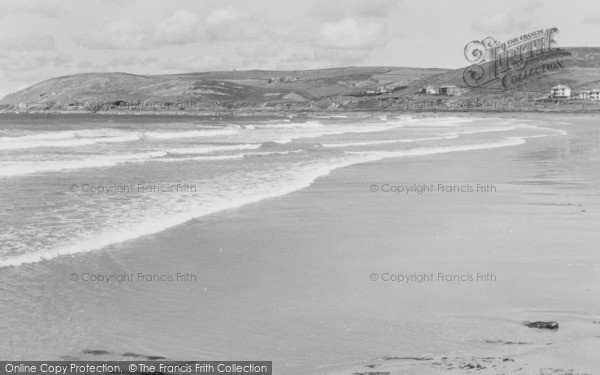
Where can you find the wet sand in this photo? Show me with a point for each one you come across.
(290, 279)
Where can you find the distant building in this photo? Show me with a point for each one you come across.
(560, 92)
(427, 90)
(594, 94)
(451, 90)
(283, 79)
(379, 90)
(581, 95)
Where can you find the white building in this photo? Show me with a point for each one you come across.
(594, 94)
(560, 92)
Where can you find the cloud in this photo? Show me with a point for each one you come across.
(195, 63)
(331, 58)
(500, 23)
(42, 9)
(182, 28)
(350, 34)
(118, 3)
(25, 61)
(375, 9)
(533, 7)
(85, 64)
(132, 60)
(348, 41)
(120, 61)
(117, 35)
(31, 52)
(592, 20)
(265, 48)
(232, 24)
(29, 42)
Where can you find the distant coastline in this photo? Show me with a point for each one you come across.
(335, 90)
(306, 111)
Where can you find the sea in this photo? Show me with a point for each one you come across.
(76, 184)
(76, 189)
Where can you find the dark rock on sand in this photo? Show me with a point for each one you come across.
(407, 358)
(154, 357)
(96, 352)
(130, 354)
(541, 325)
(507, 342)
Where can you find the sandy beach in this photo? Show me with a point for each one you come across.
(367, 187)
(300, 266)
(325, 280)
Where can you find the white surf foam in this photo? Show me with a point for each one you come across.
(376, 155)
(295, 125)
(271, 153)
(65, 139)
(488, 130)
(190, 134)
(200, 158)
(30, 167)
(337, 130)
(209, 149)
(439, 122)
(383, 142)
(290, 181)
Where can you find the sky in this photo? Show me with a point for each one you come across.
(45, 39)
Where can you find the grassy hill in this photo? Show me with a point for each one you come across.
(338, 88)
(232, 89)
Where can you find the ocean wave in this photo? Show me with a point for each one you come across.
(290, 125)
(438, 122)
(302, 179)
(30, 167)
(271, 153)
(190, 133)
(337, 130)
(383, 142)
(200, 158)
(295, 178)
(65, 139)
(209, 149)
(489, 130)
(377, 155)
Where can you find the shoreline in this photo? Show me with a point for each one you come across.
(300, 111)
(31, 258)
(293, 270)
(326, 188)
(241, 115)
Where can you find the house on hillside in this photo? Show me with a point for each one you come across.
(426, 90)
(379, 90)
(594, 94)
(283, 79)
(560, 92)
(450, 90)
(581, 95)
